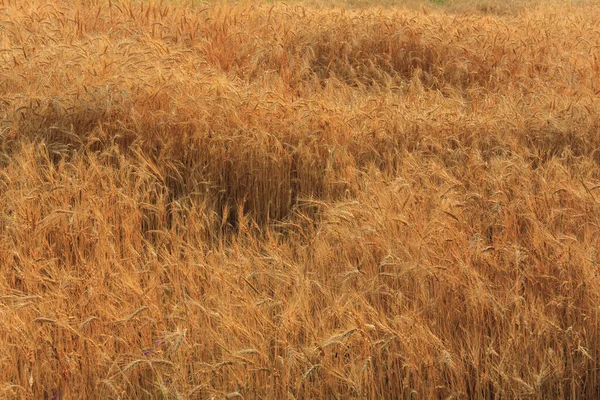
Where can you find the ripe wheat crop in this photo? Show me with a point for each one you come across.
(299, 200)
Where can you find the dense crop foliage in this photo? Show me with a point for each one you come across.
(299, 200)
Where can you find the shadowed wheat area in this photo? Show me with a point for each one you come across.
(289, 201)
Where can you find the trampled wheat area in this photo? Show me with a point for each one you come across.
(291, 201)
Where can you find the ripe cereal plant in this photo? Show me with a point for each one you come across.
(299, 200)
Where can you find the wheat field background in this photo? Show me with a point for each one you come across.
(299, 200)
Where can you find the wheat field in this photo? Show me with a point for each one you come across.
(299, 200)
